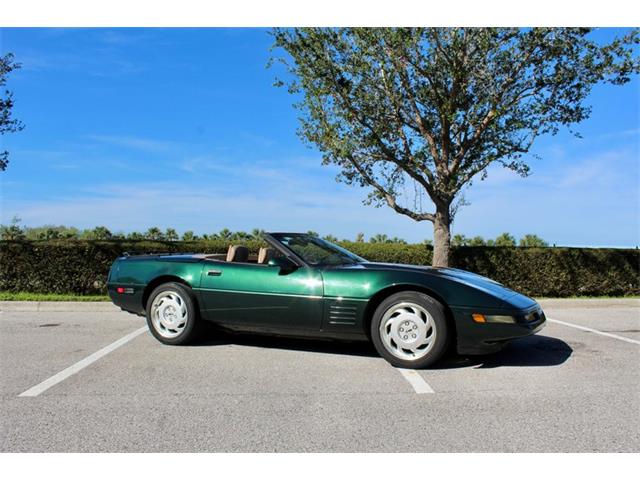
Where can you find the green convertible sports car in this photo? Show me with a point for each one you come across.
(305, 286)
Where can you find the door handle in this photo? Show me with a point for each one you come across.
(214, 273)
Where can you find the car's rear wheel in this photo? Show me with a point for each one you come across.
(171, 314)
(409, 330)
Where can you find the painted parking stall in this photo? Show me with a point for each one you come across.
(564, 389)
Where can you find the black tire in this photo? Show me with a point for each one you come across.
(434, 309)
(191, 326)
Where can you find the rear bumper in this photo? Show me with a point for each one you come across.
(131, 301)
(480, 338)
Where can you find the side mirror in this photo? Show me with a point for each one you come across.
(283, 263)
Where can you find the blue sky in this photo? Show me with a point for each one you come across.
(182, 128)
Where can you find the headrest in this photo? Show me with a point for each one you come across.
(237, 253)
(265, 254)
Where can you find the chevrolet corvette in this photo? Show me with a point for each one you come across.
(304, 286)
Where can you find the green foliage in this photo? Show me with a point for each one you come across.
(502, 240)
(51, 297)
(383, 238)
(224, 234)
(81, 267)
(256, 233)
(458, 240)
(556, 272)
(505, 240)
(170, 235)
(418, 254)
(189, 236)
(8, 124)
(98, 233)
(13, 231)
(530, 240)
(154, 234)
(476, 241)
(431, 108)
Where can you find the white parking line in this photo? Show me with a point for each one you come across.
(592, 330)
(415, 379)
(76, 367)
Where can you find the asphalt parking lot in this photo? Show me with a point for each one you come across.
(564, 390)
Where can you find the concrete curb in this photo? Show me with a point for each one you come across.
(10, 306)
(588, 302)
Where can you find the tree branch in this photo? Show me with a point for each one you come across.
(387, 196)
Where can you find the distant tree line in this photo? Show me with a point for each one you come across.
(15, 231)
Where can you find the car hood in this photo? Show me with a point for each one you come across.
(461, 276)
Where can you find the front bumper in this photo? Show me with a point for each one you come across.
(480, 338)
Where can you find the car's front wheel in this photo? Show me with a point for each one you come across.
(171, 314)
(409, 330)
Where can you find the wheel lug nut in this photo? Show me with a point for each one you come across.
(414, 335)
(405, 337)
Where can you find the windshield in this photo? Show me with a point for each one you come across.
(316, 251)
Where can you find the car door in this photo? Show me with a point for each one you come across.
(262, 296)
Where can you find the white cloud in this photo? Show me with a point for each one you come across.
(138, 143)
(209, 208)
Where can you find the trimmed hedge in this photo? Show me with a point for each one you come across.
(81, 267)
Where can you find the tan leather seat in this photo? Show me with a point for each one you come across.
(265, 254)
(237, 253)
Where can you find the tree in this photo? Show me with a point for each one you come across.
(459, 240)
(48, 233)
(505, 240)
(241, 236)
(171, 235)
(225, 234)
(189, 236)
(379, 238)
(256, 233)
(429, 109)
(102, 233)
(530, 240)
(330, 238)
(8, 124)
(360, 238)
(135, 236)
(13, 231)
(154, 233)
(476, 241)
(398, 240)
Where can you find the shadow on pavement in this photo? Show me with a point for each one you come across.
(533, 351)
(213, 337)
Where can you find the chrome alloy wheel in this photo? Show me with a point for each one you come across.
(407, 331)
(169, 314)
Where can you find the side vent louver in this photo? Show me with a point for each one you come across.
(341, 314)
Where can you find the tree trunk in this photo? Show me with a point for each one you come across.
(441, 236)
